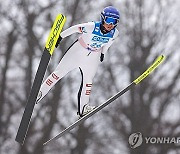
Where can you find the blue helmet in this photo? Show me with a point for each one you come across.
(110, 15)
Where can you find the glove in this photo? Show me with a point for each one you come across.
(58, 41)
(102, 57)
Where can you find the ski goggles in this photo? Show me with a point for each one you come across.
(110, 20)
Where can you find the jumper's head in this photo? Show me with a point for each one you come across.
(110, 17)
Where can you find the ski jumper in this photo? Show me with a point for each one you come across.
(83, 54)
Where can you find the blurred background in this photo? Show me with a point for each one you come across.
(147, 29)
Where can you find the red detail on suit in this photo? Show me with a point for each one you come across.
(49, 82)
(55, 76)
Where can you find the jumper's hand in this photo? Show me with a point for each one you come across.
(58, 41)
(102, 57)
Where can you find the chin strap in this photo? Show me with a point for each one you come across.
(103, 29)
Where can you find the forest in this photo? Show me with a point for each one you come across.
(147, 30)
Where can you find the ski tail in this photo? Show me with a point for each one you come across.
(156, 63)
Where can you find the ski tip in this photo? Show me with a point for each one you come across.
(54, 33)
(156, 63)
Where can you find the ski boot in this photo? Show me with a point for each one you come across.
(86, 109)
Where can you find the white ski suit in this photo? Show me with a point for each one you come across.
(83, 54)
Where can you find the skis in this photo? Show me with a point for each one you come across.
(157, 62)
(48, 51)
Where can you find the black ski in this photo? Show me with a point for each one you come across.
(48, 51)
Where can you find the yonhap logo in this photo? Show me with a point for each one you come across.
(135, 140)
